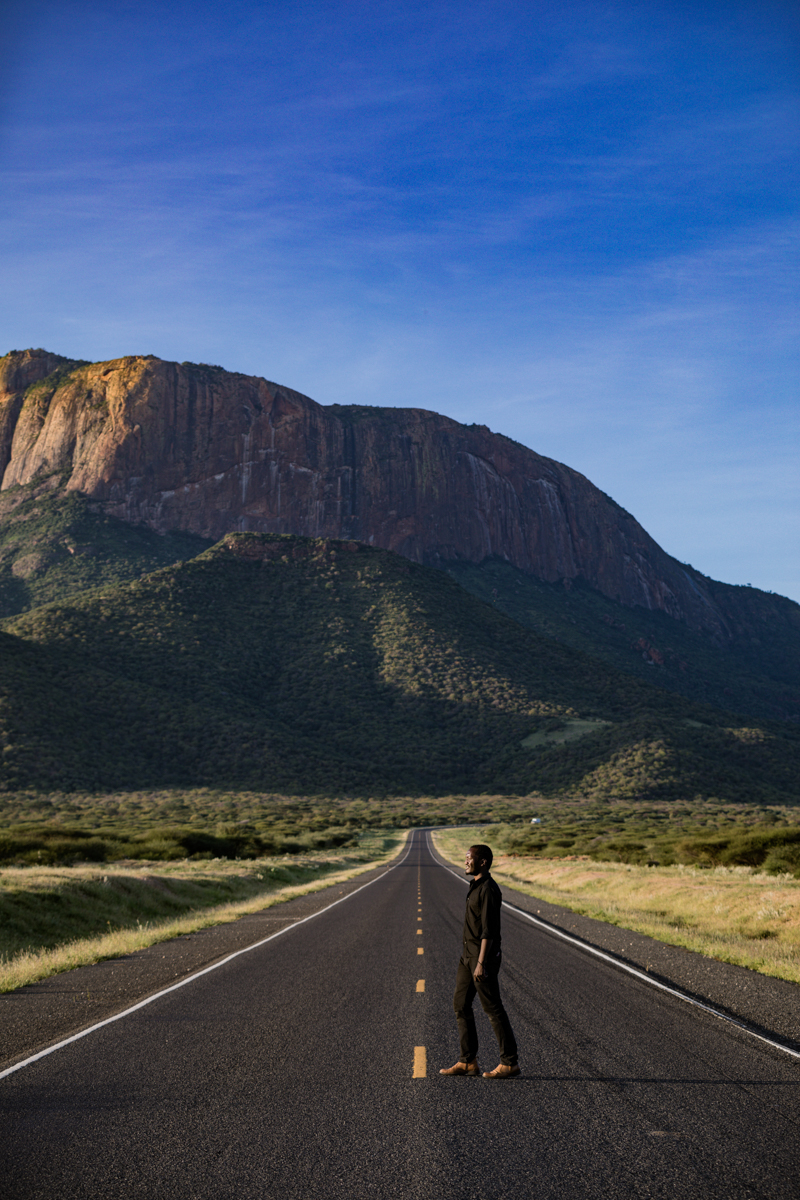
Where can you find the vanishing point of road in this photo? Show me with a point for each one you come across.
(308, 1068)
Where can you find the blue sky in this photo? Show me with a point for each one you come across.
(576, 224)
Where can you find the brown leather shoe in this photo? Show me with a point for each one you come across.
(502, 1071)
(461, 1068)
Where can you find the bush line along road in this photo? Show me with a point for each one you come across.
(308, 1066)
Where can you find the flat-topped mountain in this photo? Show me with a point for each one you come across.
(206, 451)
(195, 451)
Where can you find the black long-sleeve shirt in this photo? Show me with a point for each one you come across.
(482, 917)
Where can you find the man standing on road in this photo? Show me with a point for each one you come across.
(478, 972)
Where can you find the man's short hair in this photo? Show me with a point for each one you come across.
(482, 852)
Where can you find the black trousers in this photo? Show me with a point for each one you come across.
(487, 989)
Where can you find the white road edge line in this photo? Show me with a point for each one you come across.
(26, 1062)
(642, 975)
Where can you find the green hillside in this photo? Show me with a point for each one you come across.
(311, 666)
(758, 672)
(55, 544)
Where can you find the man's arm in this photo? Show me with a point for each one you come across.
(486, 944)
(490, 921)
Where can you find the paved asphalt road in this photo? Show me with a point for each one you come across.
(288, 1073)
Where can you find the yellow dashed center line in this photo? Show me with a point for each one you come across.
(420, 1057)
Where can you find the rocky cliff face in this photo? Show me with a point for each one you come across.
(200, 449)
(19, 371)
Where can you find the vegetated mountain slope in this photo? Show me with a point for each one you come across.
(194, 448)
(757, 675)
(317, 666)
(56, 545)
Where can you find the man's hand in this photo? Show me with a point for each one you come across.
(479, 972)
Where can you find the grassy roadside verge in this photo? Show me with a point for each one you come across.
(734, 914)
(50, 916)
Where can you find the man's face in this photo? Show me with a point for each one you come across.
(471, 864)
